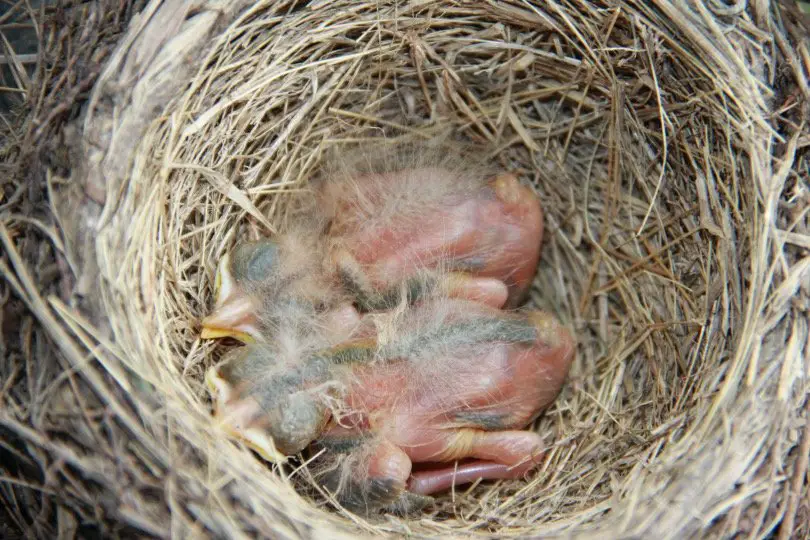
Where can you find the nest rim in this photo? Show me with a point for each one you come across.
(719, 394)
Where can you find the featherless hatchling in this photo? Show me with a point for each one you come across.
(442, 381)
(373, 234)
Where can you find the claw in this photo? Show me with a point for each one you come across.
(410, 503)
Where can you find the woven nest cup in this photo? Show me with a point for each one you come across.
(666, 141)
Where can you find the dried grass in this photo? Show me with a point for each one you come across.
(668, 141)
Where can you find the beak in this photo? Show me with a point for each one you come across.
(234, 312)
(234, 418)
(219, 387)
(235, 318)
(262, 443)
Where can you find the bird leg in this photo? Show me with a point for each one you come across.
(370, 478)
(499, 455)
(489, 291)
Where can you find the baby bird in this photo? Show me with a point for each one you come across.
(435, 383)
(380, 230)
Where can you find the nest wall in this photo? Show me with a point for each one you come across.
(667, 141)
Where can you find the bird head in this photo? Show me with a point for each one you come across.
(272, 407)
(239, 275)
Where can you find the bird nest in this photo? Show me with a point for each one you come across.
(667, 141)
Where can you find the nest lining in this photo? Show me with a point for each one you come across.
(646, 129)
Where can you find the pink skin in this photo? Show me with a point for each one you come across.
(430, 413)
(493, 233)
